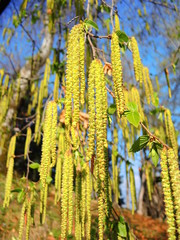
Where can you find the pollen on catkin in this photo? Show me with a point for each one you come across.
(91, 104)
(175, 180)
(150, 86)
(169, 209)
(148, 180)
(117, 24)
(22, 219)
(146, 86)
(136, 61)
(27, 143)
(117, 74)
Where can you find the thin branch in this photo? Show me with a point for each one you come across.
(92, 47)
(153, 136)
(169, 6)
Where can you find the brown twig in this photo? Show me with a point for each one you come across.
(153, 136)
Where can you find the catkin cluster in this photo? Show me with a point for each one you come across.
(136, 61)
(135, 97)
(117, 74)
(10, 166)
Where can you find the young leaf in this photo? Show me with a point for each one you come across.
(132, 106)
(154, 154)
(16, 190)
(122, 231)
(90, 23)
(34, 165)
(139, 144)
(111, 109)
(133, 118)
(122, 36)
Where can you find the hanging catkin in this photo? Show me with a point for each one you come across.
(70, 193)
(136, 61)
(27, 143)
(147, 90)
(150, 86)
(117, 74)
(170, 131)
(136, 98)
(91, 104)
(117, 24)
(175, 180)
(88, 204)
(22, 220)
(10, 166)
(61, 150)
(148, 180)
(169, 209)
(46, 78)
(133, 189)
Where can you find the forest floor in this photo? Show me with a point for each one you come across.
(143, 227)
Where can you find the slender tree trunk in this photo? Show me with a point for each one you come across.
(27, 72)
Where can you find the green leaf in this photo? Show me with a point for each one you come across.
(90, 23)
(49, 179)
(34, 165)
(122, 36)
(154, 155)
(122, 231)
(16, 190)
(20, 196)
(132, 106)
(111, 109)
(133, 117)
(139, 144)
(109, 120)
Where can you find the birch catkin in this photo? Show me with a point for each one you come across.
(117, 74)
(133, 189)
(27, 143)
(169, 209)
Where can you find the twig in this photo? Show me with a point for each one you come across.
(162, 4)
(112, 94)
(100, 37)
(73, 19)
(92, 47)
(153, 136)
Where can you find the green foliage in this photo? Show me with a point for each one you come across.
(140, 143)
(132, 114)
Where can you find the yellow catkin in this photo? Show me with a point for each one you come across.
(91, 101)
(147, 90)
(56, 88)
(11, 150)
(88, 204)
(35, 97)
(157, 83)
(170, 131)
(150, 84)
(99, 120)
(38, 112)
(83, 200)
(101, 215)
(2, 76)
(44, 203)
(78, 209)
(53, 133)
(28, 224)
(133, 189)
(117, 74)
(75, 73)
(81, 65)
(5, 85)
(115, 179)
(64, 199)
(70, 193)
(175, 180)
(22, 220)
(61, 149)
(169, 209)
(27, 143)
(117, 24)
(10, 165)
(46, 146)
(136, 61)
